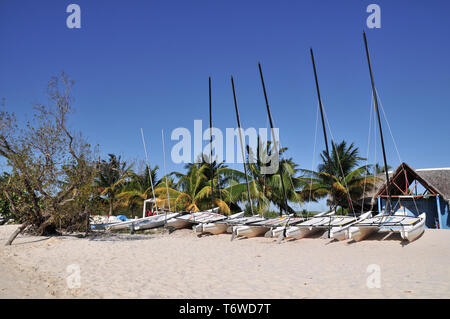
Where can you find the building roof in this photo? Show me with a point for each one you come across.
(437, 180)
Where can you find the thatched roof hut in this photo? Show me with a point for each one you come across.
(422, 189)
(435, 180)
(439, 178)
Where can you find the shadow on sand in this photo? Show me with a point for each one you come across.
(31, 240)
(204, 235)
(319, 234)
(378, 236)
(385, 236)
(118, 237)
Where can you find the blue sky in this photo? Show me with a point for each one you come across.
(146, 64)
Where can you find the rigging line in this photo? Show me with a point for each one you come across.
(289, 175)
(367, 157)
(210, 141)
(293, 188)
(275, 144)
(245, 153)
(375, 96)
(165, 172)
(290, 178)
(242, 144)
(313, 157)
(393, 140)
(265, 151)
(231, 187)
(374, 141)
(415, 204)
(312, 168)
(339, 161)
(320, 99)
(292, 183)
(218, 187)
(148, 168)
(389, 127)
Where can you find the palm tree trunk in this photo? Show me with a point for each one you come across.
(110, 206)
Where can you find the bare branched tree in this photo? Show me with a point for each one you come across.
(52, 168)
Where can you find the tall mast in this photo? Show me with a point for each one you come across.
(242, 144)
(322, 113)
(165, 172)
(320, 102)
(374, 92)
(148, 168)
(273, 135)
(210, 141)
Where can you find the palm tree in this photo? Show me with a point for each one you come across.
(218, 175)
(138, 189)
(378, 169)
(112, 175)
(288, 169)
(266, 188)
(339, 178)
(341, 160)
(193, 190)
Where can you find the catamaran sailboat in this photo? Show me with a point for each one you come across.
(410, 228)
(258, 228)
(243, 224)
(215, 226)
(337, 225)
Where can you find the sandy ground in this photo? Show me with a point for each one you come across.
(182, 265)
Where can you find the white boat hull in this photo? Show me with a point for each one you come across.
(412, 232)
(274, 232)
(342, 233)
(128, 223)
(300, 232)
(157, 221)
(243, 221)
(358, 233)
(178, 223)
(339, 234)
(250, 231)
(119, 226)
(212, 228)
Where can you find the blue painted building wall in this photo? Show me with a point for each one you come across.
(436, 209)
(444, 211)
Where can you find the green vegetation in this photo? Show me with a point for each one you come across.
(55, 180)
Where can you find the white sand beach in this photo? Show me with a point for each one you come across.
(182, 265)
